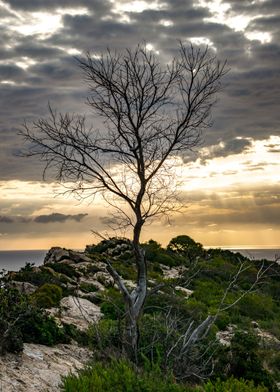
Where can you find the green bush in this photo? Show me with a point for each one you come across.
(257, 306)
(185, 247)
(88, 288)
(112, 305)
(21, 321)
(48, 295)
(233, 385)
(28, 267)
(105, 335)
(243, 360)
(120, 376)
(65, 269)
(37, 327)
(39, 277)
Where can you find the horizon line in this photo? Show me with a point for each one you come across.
(226, 247)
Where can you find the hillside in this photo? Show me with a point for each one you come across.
(211, 318)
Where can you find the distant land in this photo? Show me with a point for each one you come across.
(13, 260)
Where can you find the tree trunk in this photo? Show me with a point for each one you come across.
(135, 302)
(131, 334)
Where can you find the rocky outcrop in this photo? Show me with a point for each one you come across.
(79, 312)
(40, 368)
(23, 287)
(58, 255)
(76, 311)
(172, 273)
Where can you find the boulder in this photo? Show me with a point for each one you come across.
(57, 255)
(39, 368)
(92, 281)
(23, 287)
(187, 292)
(104, 278)
(78, 311)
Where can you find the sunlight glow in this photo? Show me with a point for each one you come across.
(202, 41)
(136, 6)
(224, 172)
(25, 62)
(222, 13)
(43, 24)
(166, 23)
(151, 47)
(263, 37)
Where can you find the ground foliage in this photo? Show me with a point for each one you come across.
(249, 363)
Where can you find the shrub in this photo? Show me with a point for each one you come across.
(186, 247)
(243, 360)
(88, 288)
(120, 376)
(38, 278)
(28, 267)
(65, 269)
(233, 385)
(257, 306)
(105, 335)
(37, 327)
(48, 295)
(112, 306)
(21, 321)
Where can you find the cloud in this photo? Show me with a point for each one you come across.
(57, 217)
(6, 219)
(51, 218)
(223, 149)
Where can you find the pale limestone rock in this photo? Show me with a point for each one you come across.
(267, 339)
(92, 281)
(187, 292)
(173, 273)
(39, 368)
(104, 278)
(129, 283)
(23, 287)
(224, 337)
(57, 254)
(78, 311)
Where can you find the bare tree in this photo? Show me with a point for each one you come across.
(150, 114)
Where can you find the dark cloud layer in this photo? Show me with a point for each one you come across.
(56, 217)
(51, 218)
(36, 69)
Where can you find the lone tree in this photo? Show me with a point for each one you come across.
(150, 114)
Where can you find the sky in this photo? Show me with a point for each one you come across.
(230, 187)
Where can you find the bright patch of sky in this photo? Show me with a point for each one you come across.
(151, 47)
(202, 41)
(222, 13)
(223, 172)
(43, 24)
(166, 23)
(135, 6)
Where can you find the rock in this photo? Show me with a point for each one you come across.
(172, 273)
(39, 368)
(104, 278)
(23, 287)
(93, 282)
(224, 337)
(57, 255)
(254, 324)
(184, 290)
(267, 339)
(78, 311)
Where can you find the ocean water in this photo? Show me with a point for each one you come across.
(13, 260)
(259, 254)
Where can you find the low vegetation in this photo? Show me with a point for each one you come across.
(187, 284)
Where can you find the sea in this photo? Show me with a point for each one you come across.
(13, 260)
